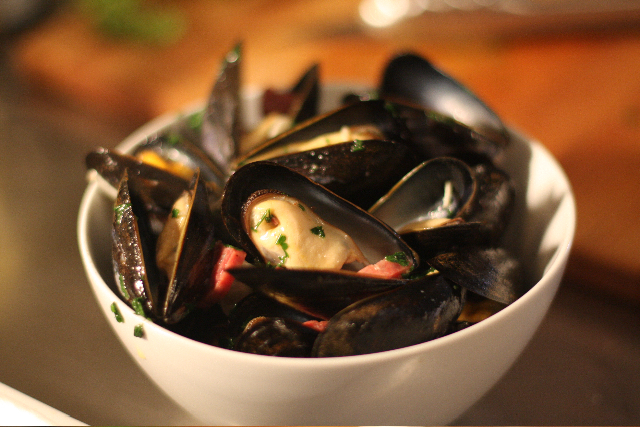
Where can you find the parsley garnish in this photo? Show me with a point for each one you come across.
(119, 210)
(301, 207)
(281, 241)
(398, 258)
(116, 312)
(138, 306)
(138, 331)
(318, 231)
(357, 146)
(123, 288)
(266, 216)
(175, 213)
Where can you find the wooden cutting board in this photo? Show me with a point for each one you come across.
(578, 93)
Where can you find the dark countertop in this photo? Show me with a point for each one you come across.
(580, 368)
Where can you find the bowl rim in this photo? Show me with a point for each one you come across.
(554, 267)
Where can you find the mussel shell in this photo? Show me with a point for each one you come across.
(374, 238)
(450, 236)
(160, 188)
(274, 336)
(300, 101)
(191, 275)
(374, 112)
(433, 134)
(133, 249)
(257, 304)
(221, 125)
(419, 194)
(489, 272)
(360, 173)
(493, 205)
(174, 148)
(412, 78)
(318, 293)
(418, 312)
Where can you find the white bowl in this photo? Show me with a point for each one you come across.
(426, 384)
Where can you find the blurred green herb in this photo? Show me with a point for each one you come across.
(135, 20)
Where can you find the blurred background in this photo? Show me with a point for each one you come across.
(79, 74)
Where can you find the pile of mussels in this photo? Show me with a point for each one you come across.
(374, 226)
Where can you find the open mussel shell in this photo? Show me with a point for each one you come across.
(412, 78)
(425, 206)
(301, 101)
(133, 250)
(181, 157)
(190, 276)
(366, 113)
(489, 272)
(375, 238)
(162, 186)
(418, 312)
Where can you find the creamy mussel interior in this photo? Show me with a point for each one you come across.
(289, 234)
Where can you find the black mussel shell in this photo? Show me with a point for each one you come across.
(359, 171)
(133, 250)
(160, 188)
(276, 337)
(191, 275)
(374, 238)
(490, 272)
(374, 112)
(221, 126)
(318, 293)
(179, 151)
(412, 314)
(411, 77)
(493, 205)
(301, 101)
(257, 304)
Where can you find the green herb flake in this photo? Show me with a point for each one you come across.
(318, 231)
(195, 121)
(138, 306)
(398, 258)
(116, 313)
(123, 288)
(138, 331)
(281, 241)
(301, 206)
(357, 145)
(174, 139)
(266, 217)
(120, 210)
(175, 213)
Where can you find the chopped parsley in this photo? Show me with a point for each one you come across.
(138, 306)
(301, 207)
(175, 213)
(123, 288)
(174, 139)
(119, 211)
(398, 258)
(318, 231)
(281, 241)
(195, 120)
(266, 217)
(138, 331)
(116, 313)
(357, 146)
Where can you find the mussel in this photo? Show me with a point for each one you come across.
(167, 273)
(311, 214)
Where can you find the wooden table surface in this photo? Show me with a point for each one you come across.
(572, 83)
